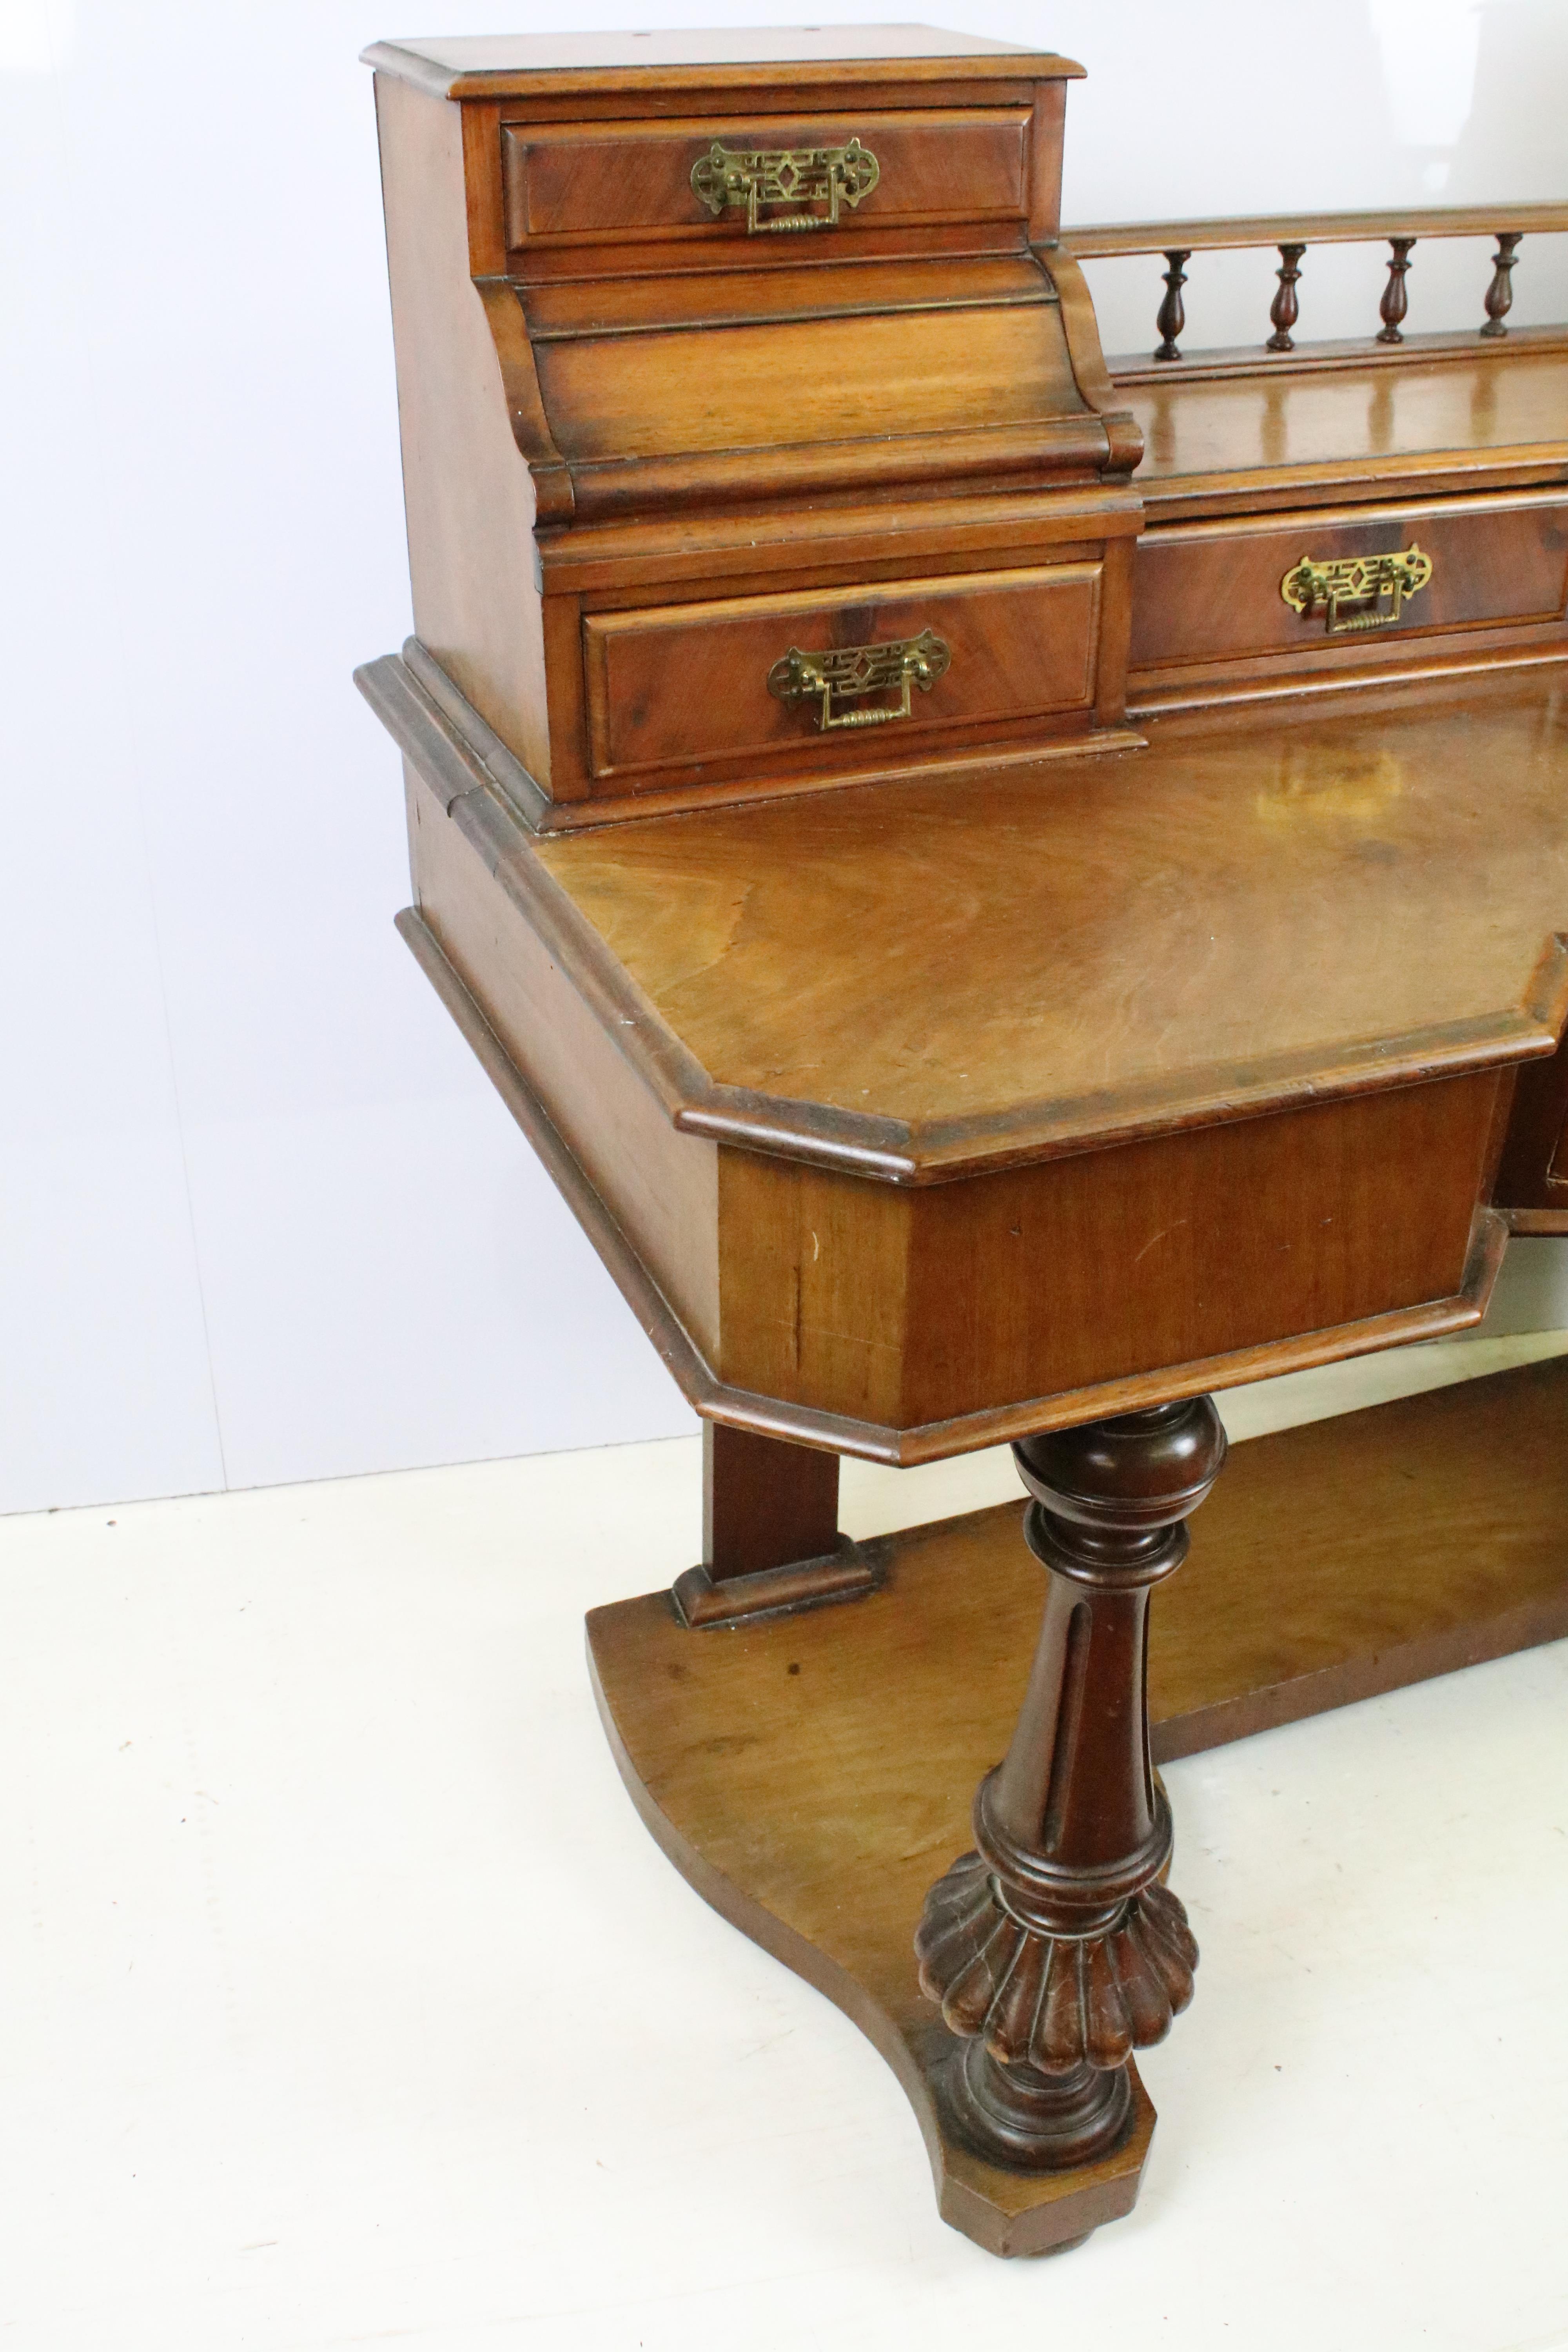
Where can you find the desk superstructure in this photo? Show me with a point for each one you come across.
(936, 1053)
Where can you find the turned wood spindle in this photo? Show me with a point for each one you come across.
(1284, 310)
(1172, 317)
(1396, 301)
(1499, 293)
(1054, 1949)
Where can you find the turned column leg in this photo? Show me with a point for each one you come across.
(1054, 1949)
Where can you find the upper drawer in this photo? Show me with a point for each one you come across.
(772, 181)
(751, 675)
(1334, 584)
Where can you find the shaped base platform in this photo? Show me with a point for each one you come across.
(811, 1775)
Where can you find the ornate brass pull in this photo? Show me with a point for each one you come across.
(1360, 591)
(850, 671)
(754, 176)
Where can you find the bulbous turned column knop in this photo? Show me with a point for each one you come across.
(1395, 301)
(1499, 293)
(1054, 1949)
(1172, 317)
(1285, 308)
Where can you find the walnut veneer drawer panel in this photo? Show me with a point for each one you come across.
(689, 682)
(633, 179)
(1212, 591)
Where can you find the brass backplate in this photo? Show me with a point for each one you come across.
(755, 177)
(848, 672)
(1358, 592)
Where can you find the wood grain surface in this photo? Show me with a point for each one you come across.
(543, 65)
(1240, 442)
(1097, 240)
(683, 682)
(1347, 1558)
(579, 342)
(1208, 593)
(796, 381)
(811, 1776)
(621, 178)
(914, 1304)
(471, 503)
(1098, 933)
(736, 296)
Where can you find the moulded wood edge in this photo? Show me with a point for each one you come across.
(1228, 361)
(656, 549)
(1101, 241)
(1148, 698)
(440, 740)
(1331, 484)
(438, 81)
(931, 1440)
(406, 692)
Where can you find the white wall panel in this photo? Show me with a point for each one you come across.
(224, 1084)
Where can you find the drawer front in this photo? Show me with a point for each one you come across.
(1208, 593)
(693, 682)
(635, 179)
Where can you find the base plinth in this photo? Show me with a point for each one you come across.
(810, 1776)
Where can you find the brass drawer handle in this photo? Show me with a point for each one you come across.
(1360, 591)
(853, 671)
(754, 176)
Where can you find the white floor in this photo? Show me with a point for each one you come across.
(345, 2002)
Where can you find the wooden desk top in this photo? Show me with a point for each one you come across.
(1266, 906)
(1451, 421)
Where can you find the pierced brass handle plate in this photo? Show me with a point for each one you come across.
(851, 671)
(758, 176)
(1359, 591)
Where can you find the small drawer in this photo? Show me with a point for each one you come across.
(765, 183)
(755, 674)
(1320, 586)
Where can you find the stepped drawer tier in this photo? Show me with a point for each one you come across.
(774, 181)
(797, 674)
(1298, 592)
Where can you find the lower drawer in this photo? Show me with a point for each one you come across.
(1321, 588)
(751, 675)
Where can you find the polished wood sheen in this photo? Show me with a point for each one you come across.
(1240, 1223)
(623, 179)
(1418, 1537)
(1236, 231)
(1056, 1948)
(1292, 234)
(543, 66)
(1208, 593)
(1171, 994)
(1409, 423)
(764, 1504)
(690, 681)
(582, 347)
(1042, 959)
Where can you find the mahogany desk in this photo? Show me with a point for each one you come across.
(936, 1057)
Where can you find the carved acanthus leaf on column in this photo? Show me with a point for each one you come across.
(1053, 2002)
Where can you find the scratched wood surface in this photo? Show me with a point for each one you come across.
(1099, 927)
